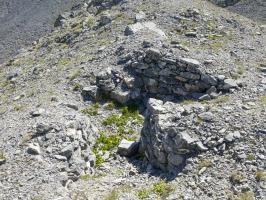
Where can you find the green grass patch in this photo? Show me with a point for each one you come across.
(105, 142)
(260, 175)
(162, 189)
(262, 100)
(63, 61)
(87, 177)
(214, 36)
(205, 163)
(110, 106)
(113, 195)
(236, 177)
(2, 155)
(220, 100)
(187, 102)
(18, 107)
(128, 112)
(251, 157)
(245, 196)
(143, 193)
(77, 87)
(120, 122)
(92, 110)
(74, 74)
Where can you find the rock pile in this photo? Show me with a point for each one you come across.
(173, 132)
(152, 73)
(69, 144)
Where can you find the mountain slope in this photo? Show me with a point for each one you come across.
(24, 21)
(59, 140)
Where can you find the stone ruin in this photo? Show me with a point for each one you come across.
(151, 74)
(166, 138)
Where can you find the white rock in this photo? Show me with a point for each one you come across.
(127, 148)
(145, 27)
(34, 149)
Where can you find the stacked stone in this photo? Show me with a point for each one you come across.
(167, 76)
(152, 73)
(165, 139)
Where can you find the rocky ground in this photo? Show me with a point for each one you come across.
(197, 76)
(24, 21)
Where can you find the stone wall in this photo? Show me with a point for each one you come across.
(170, 76)
(166, 139)
(149, 73)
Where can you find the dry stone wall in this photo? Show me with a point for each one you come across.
(170, 76)
(149, 73)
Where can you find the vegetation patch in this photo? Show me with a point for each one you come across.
(220, 100)
(105, 142)
(64, 61)
(128, 112)
(245, 196)
(262, 100)
(2, 156)
(110, 106)
(236, 177)
(162, 189)
(251, 157)
(113, 195)
(260, 175)
(143, 193)
(205, 163)
(92, 110)
(77, 87)
(74, 74)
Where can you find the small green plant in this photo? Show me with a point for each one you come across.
(92, 110)
(240, 69)
(113, 195)
(214, 36)
(216, 46)
(143, 193)
(37, 198)
(90, 21)
(262, 100)
(99, 160)
(205, 163)
(107, 142)
(236, 177)
(251, 157)
(110, 106)
(87, 177)
(245, 196)
(220, 100)
(77, 87)
(104, 142)
(162, 189)
(260, 175)
(128, 114)
(18, 107)
(74, 74)
(63, 61)
(187, 102)
(2, 156)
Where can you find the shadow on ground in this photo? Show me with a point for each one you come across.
(253, 9)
